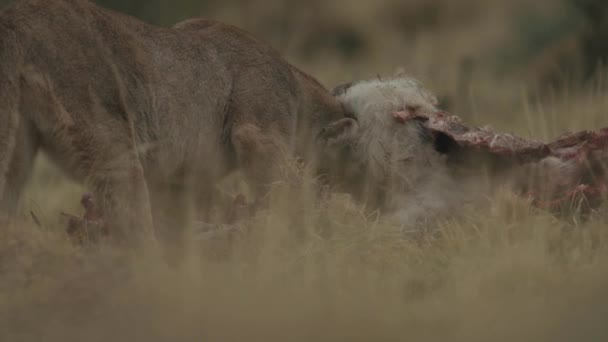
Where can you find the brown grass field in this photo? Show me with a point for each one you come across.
(333, 271)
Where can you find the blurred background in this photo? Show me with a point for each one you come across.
(534, 68)
(332, 271)
(482, 57)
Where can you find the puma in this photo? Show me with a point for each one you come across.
(144, 115)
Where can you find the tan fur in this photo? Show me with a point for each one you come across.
(139, 112)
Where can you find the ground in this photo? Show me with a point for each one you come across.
(306, 271)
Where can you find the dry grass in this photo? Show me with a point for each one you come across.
(329, 271)
(319, 271)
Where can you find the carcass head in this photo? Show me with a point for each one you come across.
(383, 151)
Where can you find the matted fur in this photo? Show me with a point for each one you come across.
(397, 162)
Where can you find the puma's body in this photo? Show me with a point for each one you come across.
(137, 111)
